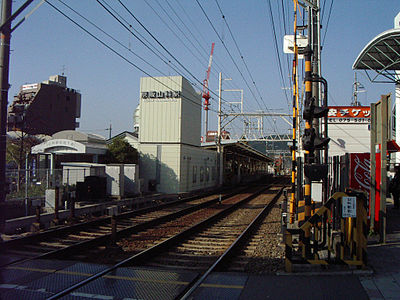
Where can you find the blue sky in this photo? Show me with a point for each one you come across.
(47, 44)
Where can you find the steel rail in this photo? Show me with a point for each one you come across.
(102, 220)
(104, 239)
(138, 258)
(229, 253)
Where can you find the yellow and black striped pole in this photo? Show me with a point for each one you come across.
(309, 154)
(292, 206)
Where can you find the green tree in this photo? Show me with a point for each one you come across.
(120, 151)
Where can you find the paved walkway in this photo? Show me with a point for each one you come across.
(384, 259)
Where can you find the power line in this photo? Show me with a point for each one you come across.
(230, 55)
(109, 35)
(161, 45)
(218, 68)
(175, 34)
(277, 51)
(327, 23)
(241, 56)
(115, 52)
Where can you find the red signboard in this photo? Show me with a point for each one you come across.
(349, 112)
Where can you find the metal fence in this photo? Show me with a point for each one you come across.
(27, 185)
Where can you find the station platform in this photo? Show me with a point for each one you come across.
(30, 280)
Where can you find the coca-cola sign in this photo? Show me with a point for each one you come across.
(360, 178)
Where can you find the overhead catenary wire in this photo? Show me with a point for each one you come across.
(244, 62)
(229, 54)
(162, 46)
(202, 62)
(327, 23)
(110, 36)
(148, 44)
(121, 56)
(277, 50)
(216, 66)
(114, 51)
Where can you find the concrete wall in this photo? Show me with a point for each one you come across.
(160, 164)
(198, 168)
(178, 168)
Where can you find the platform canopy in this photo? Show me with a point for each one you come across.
(381, 57)
(238, 148)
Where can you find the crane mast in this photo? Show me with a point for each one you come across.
(206, 93)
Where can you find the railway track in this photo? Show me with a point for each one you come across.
(205, 247)
(66, 241)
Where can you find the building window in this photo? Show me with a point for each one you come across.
(207, 174)
(194, 174)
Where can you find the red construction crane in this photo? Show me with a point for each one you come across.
(206, 92)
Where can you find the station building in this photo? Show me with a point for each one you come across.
(171, 158)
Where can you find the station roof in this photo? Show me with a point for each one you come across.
(381, 55)
(237, 147)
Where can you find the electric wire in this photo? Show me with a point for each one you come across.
(229, 54)
(216, 65)
(97, 27)
(277, 50)
(128, 28)
(118, 54)
(114, 51)
(147, 43)
(217, 68)
(245, 64)
(202, 62)
(327, 23)
(110, 36)
(162, 46)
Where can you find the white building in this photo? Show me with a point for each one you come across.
(171, 159)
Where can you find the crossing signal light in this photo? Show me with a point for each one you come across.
(311, 111)
(311, 141)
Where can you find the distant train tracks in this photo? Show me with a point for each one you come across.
(213, 237)
(66, 241)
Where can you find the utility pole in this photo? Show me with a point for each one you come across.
(4, 86)
(109, 132)
(316, 53)
(219, 146)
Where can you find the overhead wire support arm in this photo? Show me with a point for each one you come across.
(14, 15)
